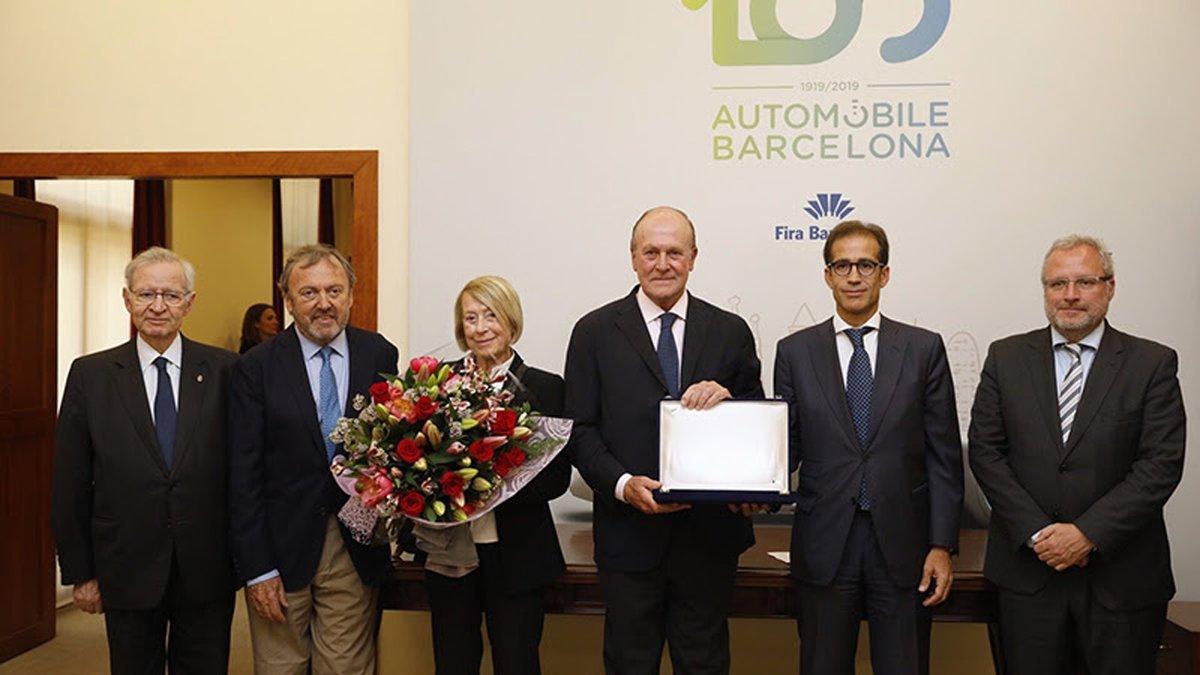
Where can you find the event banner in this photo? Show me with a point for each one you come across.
(974, 132)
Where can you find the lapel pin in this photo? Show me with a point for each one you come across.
(199, 378)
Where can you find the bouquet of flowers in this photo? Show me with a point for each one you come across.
(440, 445)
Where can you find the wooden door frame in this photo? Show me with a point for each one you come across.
(360, 166)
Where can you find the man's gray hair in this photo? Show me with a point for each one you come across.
(307, 256)
(158, 254)
(1075, 241)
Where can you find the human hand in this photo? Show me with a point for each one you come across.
(938, 569)
(638, 495)
(268, 599)
(1062, 545)
(749, 509)
(87, 597)
(704, 395)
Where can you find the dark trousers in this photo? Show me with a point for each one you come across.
(514, 620)
(863, 588)
(1064, 629)
(684, 601)
(180, 634)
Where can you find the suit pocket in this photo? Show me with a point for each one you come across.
(921, 489)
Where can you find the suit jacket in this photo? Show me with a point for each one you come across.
(281, 489)
(530, 554)
(614, 385)
(1120, 465)
(913, 452)
(119, 514)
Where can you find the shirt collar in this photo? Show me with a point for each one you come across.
(651, 311)
(147, 354)
(309, 348)
(840, 325)
(1092, 339)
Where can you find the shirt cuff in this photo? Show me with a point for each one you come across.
(621, 486)
(1033, 538)
(263, 577)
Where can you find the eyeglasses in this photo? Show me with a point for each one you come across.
(1082, 284)
(169, 298)
(865, 267)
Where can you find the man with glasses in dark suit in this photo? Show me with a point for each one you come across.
(1077, 438)
(139, 498)
(875, 432)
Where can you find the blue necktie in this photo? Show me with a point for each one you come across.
(164, 412)
(328, 412)
(668, 355)
(858, 394)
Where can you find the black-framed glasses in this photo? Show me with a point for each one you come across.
(170, 298)
(866, 267)
(1082, 284)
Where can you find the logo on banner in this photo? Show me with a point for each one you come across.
(775, 46)
(826, 209)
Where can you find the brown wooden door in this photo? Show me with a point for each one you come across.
(28, 394)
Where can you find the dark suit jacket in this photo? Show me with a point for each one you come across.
(530, 554)
(614, 385)
(281, 489)
(119, 515)
(913, 453)
(1111, 479)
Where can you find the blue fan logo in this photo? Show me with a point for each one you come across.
(828, 205)
(825, 208)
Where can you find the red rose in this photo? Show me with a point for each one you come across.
(504, 422)
(412, 503)
(426, 364)
(408, 451)
(502, 466)
(481, 451)
(516, 456)
(381, 392)
(425, 407)
(452, 484)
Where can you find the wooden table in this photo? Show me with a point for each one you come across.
(1180, 651)
(763, 589)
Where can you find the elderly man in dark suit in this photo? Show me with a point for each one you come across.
(1077, 437)
(139, 493)
(312, 589)
(874, 428)
(666, 571)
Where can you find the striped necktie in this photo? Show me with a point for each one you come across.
(1072, 389)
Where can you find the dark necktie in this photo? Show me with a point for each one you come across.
(327, 411)
(164, 412)
(668, 355)
(859, 381)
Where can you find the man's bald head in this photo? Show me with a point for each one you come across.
(660, 212)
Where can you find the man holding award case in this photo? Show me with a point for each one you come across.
(666, 570)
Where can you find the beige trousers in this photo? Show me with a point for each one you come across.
(331, 623)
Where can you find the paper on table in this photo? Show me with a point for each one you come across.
(784, 557)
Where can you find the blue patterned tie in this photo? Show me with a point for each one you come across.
(668, 355)
(327, 410)
(164, 413)
(858, 394)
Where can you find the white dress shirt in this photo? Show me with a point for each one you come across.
(846, 348)
(652, 315)
(483, 528)
(173, 355)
